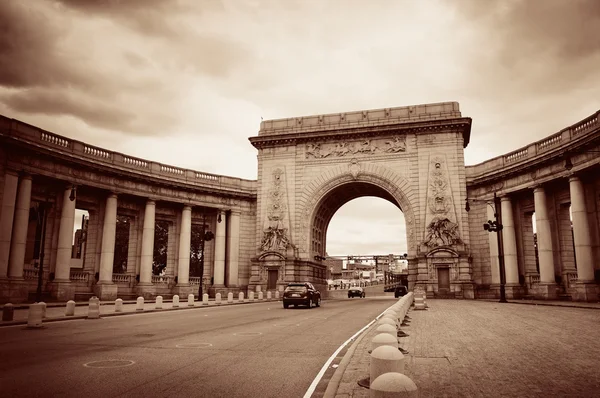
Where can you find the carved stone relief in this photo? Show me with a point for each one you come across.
(441, 226)
(367, 146)
(276, 225)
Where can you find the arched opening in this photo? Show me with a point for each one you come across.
(359, 230)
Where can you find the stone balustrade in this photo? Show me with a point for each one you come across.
(24, 132)
(558, 141)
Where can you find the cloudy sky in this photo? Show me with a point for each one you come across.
(186, 82)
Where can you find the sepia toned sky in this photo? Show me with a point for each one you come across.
(186, 82)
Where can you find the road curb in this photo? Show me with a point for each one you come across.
(78, 317)
(336, 379)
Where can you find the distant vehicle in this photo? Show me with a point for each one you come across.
(301, 293)
(356, 292)
(400, 291)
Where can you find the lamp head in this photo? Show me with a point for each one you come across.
(73, 194)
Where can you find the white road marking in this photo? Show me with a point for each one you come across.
(106, 363)
(319, 376)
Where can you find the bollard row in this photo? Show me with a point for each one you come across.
(386, 373)
(37, 311)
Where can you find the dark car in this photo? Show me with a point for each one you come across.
(356, 291)
(301, 293)
(400, 291)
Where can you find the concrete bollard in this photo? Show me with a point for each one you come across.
(393, 384)
(387, 329)
(139, 304)
(43, 308)
(205, 299)
(94, 308)
(387, 321)
(241, 297)
(35, 316)
(268, 296)
(385, 359)
(119, 305)
(175, 301)
(276, 294)
(159, 302)
(392, 317)
(190, 300)
(384, 339)
(251, 296)
(70, 309)
(8, 312)
(218, 299)
(229, 298)
(260, 296)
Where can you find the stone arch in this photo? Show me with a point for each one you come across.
(399, 191)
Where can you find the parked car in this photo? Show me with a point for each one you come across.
(301, 293)
(356, 291)
(400, 291)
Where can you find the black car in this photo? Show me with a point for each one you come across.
(301, 293)
(400, 291)
(356, 291)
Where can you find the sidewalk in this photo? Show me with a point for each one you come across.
(56, 311)
(482, 348)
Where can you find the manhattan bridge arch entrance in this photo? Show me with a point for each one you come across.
(308, 167)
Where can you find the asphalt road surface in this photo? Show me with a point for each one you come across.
(253, 350)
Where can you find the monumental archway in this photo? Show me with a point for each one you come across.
(309, 167)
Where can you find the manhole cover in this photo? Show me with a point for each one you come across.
(247, 334)
(279, 325)
(109, 363)
(194, 345)
(143, 335)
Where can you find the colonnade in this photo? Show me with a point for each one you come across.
(546, 287)
(14, 222)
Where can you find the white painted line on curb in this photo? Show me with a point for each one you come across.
(319, 376)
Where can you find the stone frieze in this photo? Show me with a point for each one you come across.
(394, 144)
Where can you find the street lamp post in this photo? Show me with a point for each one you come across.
(496, 226)
(204, 237)
(44, 209)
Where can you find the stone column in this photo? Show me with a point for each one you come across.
(547, 284)
(493, 242)
(65, 238)
(233, 232)
(105, 289)
(183, 263)
(147, 243)
(61, 287)
(509, 241)
(19, 231)
(7, 213)
(219, 273)
(586, 286)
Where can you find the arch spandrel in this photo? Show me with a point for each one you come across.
(392, 183)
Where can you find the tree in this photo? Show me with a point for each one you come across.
(161, 241)
(121, 245)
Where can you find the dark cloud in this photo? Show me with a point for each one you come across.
(549, 45)
(49, 47)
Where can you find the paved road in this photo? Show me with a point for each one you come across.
(234, 351)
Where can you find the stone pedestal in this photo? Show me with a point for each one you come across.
(468, 291)
(586, 291)
(106, 291)
(546, 291)
(213, 290)
(13, 291)
(513, 291)
(145, 290)
(184, 290)
(62, 290)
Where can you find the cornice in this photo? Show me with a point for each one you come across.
(294, 138)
